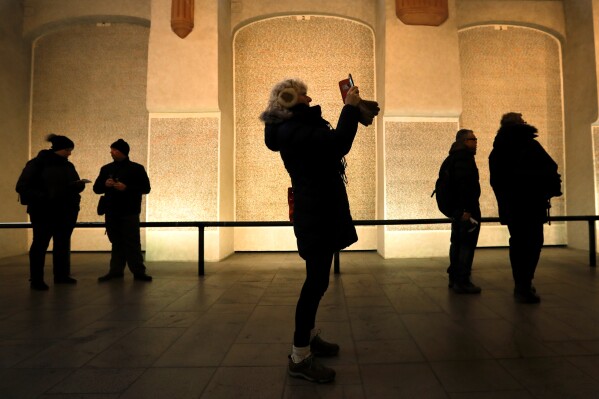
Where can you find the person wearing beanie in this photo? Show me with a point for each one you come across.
(122, 183)
(313, 154)
(463, 194)
(50, 187)
(524, 178)
(122, 146)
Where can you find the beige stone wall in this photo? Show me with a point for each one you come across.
(422, 70)
(581, 108)
(595, 158)
(243, 11)
(184, 169)
(321, 51)
(544, 14)
(183, 73)
(14, 90)
(42, 16)
(513, 69)
(414, 150)
(89, 83)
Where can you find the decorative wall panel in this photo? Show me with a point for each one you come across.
(414, 151)
(507, 69)
(184, 169)
(320, 51)
(89, 83)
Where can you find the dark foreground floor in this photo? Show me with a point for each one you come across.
(402, 333)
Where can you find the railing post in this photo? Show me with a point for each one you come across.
(592, 245)
(200, 249)
(336, 263)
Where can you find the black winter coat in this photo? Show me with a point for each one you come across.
(134, 176)
(465, 180)
(523, 175)
(49, 184)
(312, 153)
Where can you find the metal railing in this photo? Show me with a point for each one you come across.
(201, 226)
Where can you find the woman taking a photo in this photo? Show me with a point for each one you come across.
(313, 153)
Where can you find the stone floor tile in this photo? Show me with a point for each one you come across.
(479, 375)
(401, 381)
(93, 381)
(552, 378)
(402, 332)
(171, 383)
(246, 383)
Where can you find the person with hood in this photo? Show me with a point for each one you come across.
(123, 182)
(313, 154)
(465, 225)
(524, 178)
(49, 185)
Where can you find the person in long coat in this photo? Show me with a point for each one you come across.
(313, 154)
(524, 178)
(49, 185)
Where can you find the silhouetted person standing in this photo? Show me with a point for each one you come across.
(123, 183)
(313, 154)
(465, 225)
(49, 185)
(524, 178)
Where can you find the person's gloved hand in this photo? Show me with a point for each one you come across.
(368, 110)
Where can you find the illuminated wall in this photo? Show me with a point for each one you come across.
(184, 171)
(14, 108)
(415, 149)
(190, 107)
(509, 68)
(89, 83)
(596, 160)
(320, 51)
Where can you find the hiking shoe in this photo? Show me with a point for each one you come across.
(322, 348)
(142, 277)
(109, 276)
(466, 288)
(39, 285)
(310, 369)
(64, 280)
(526, 296)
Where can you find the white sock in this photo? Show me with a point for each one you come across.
(299, 353)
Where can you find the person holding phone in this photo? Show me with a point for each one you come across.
(123, 182)
(49, 185)
(313, 154)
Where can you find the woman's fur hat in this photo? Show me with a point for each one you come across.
(287, 97)
(283, 96)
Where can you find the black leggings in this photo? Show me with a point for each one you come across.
(318, 269)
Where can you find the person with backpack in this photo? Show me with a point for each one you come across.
(49, 185)
(458, 192)
(524, 178)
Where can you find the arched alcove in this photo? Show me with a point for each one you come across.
(89, 83)
(320, 50)
(506, 68)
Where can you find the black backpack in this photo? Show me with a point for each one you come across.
(29, 182)
(444, 189)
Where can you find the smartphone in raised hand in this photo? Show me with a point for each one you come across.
(345, 85)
